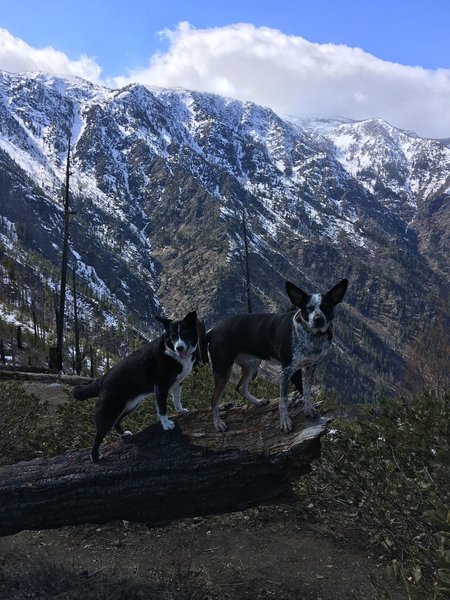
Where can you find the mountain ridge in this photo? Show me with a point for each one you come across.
(161, 179)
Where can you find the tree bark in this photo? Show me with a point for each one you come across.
(157, 476)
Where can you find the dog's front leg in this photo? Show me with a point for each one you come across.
(308, 406)
(161, 394)
(285, 420)
(176, 397)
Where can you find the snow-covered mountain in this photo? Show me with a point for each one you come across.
(160, 180)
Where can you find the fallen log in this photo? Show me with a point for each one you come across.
(157, 476)
(15, 375)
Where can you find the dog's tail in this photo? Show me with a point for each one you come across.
(83, 392)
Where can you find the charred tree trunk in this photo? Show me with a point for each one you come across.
(158, 476)
(19, 338)
(64, 259)
(35, 327)
(91, 354)
(77, 365)
(13, 354)
(247, 264)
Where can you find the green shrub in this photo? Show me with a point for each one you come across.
(31, 430)
(73, 425)
(24, 419)
(199, 386)
(197, 389)
(388, 472)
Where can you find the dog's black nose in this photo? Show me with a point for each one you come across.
(180, 347)
(318, 321)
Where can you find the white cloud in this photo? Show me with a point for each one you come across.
(294, 76)
(17, 56)
(287, 73)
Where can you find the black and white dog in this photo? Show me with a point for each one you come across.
(159, 367)
(298, 339)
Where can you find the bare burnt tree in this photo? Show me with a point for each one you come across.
(76, 324)
(13, 354)
(246, 263)
(19, 338)
(57, 355)
(92, 359)
(35, 325)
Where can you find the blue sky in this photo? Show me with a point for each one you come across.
(124, 34)
(357, 59)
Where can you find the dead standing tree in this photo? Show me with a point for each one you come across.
(56, 354)
(247, 263)
(76, 325)
(158, 476)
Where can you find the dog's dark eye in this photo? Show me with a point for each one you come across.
(327, 311)
(310, 308)
(185, 332)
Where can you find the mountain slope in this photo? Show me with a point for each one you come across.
(160, 182)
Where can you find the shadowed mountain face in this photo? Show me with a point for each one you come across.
(161, 179)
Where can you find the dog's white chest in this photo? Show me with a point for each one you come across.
(186, 365)
(308, 350)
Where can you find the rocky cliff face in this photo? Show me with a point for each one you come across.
(160, 182)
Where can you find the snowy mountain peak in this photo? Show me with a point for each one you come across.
(160, 180)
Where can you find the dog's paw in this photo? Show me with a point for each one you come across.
(310, 412)
(96, 458)
(262, 402)
(220, 425)
(286, 424)
(126, 434)
(182, 410)
(167, 424)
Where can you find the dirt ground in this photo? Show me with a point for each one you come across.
(266, 553)
(271, 552)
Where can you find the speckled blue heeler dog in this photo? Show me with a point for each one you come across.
(298, 340)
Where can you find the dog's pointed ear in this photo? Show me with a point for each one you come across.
(164, 321)
(191, 317)
(336, 294)
(297, 296)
